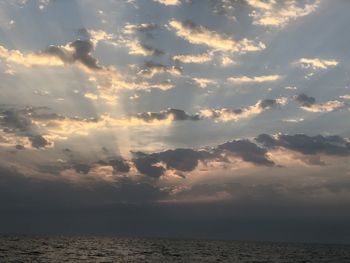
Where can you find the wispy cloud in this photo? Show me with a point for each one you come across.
(200, 35)
(137, 28)
(309, 104)
(136, 48)
(225, 114)
(150, 69)
(254, 79)
(168, 2)
(316, 63)
(294, 120)
(203, 82)
(346, 97)
(279, 13)
(195, 59)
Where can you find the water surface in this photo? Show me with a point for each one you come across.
(108, 249)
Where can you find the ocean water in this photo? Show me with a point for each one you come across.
(105, 249)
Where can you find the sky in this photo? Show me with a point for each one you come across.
(220, 119)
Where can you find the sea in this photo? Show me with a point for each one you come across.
(111, 249)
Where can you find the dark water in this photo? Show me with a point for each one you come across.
(101, 249)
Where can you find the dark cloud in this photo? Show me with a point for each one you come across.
(305, 100)
(178, 115)
(21, 123)
(83, 49)
(147, 165)
(328, 145)
(18, 190)
(39, 141)
(19, 147)
(193, 26)
(151, 68)
(83, 33)
(186, 160)
(82, 168)
(182, 159)
(140, 27)
(14, 120)
(248, 151)
(268, 103)
(40, 113)
(266, 140)
(119, 165)
(224, 7)
(82, 52)
(152, 50)
(59, 52)
(21, 120)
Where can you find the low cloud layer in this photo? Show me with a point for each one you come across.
(328, 145)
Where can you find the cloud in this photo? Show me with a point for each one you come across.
(131, 29)
(328, 106)
(225, 114)
(248, 151)
(136, 48)
(294, 120)
(168, 2)
(345, 97)
(28, 60)
(148, 165)
(175, 114)
(59, 127)
(224, 7)
(200, 35)
(226, 61)
(82, 168)
(150, 69)
(107, 79)
(39, 141)
(311, 145)
(68, 126)
(195, 59)
(77, 51)
(133, 44)
(21, 191)
(14, 120)
(290, 88)
(254, 79)
(203, 82)
(317, 63)
(274, 13)
(309, 104)
(20, 128)
(31, 122)
(182, 159)
(305, 100)
(119, 165)
(156, 164)
(186, 160)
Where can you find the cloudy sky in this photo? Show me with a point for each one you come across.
(181, 118)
